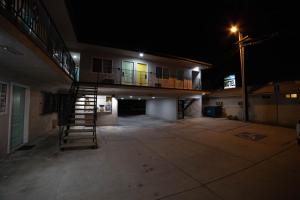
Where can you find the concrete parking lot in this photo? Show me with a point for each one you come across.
(145, 158)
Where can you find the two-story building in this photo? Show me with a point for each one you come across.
(45, 70)
(165, 83)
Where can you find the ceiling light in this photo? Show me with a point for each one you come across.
(122, 98)
(74, 56)
(141, 54)
(130, 97)
(139, 98)
(153, 97)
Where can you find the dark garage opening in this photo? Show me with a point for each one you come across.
(131, 107)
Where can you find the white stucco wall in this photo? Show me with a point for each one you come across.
(162, 108)
(87, 74)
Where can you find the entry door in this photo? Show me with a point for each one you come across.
(142, 74)
(127, 72)
(17, 117)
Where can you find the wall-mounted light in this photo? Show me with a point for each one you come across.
(141, 54)
(74, 56)
(153, 97)
(130, 97)
(122, 98)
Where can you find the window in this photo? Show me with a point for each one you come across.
(291, 96)
(102, 65)
(166, 73)
(162, 72)
(107, 66)
(3, 97)
(50, 103)
(158, 72)
(294, 96)
(97, 65)
(104, 104)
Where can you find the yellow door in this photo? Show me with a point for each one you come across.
(142, 74)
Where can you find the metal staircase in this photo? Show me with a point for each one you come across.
(80, 129)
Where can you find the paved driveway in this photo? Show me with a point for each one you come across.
(144, 158)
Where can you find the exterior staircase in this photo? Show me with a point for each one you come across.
(80, 129)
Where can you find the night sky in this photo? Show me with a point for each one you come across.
(199, 31)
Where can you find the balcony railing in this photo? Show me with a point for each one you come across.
(140, 78)
(33, 19)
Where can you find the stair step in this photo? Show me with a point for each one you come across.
(82, 114)
(76, 104)
(81, 124)
(79, 130)
(85, 86)
(86, 98)
(86, 91)
(79, 137)
(84, 109)
(85, 101)
(81, 119)
(78, 145)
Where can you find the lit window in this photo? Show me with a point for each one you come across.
(288, 96)
(294, 96)
(104, 104)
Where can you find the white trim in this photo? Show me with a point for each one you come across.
(26, 114)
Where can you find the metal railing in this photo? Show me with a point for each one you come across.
(32, 17)
(140, 78)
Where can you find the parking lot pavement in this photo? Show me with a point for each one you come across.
(145, 158)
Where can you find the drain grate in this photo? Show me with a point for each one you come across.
(25, 147)
(251, 136)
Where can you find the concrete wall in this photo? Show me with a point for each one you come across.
(86, 73)
(230, 105)
(261, 109)
(195, 109)
(162, 108)
(109, 119)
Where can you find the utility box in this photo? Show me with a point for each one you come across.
(212, 111)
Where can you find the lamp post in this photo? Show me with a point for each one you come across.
(234, 29)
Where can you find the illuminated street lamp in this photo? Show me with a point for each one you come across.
(234, 29)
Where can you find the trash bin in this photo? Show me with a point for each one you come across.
(212, 111)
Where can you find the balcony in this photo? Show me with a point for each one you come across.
(32, 18)
(120, 76)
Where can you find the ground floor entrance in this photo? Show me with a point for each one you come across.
(19, 117)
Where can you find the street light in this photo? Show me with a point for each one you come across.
(234, 29)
